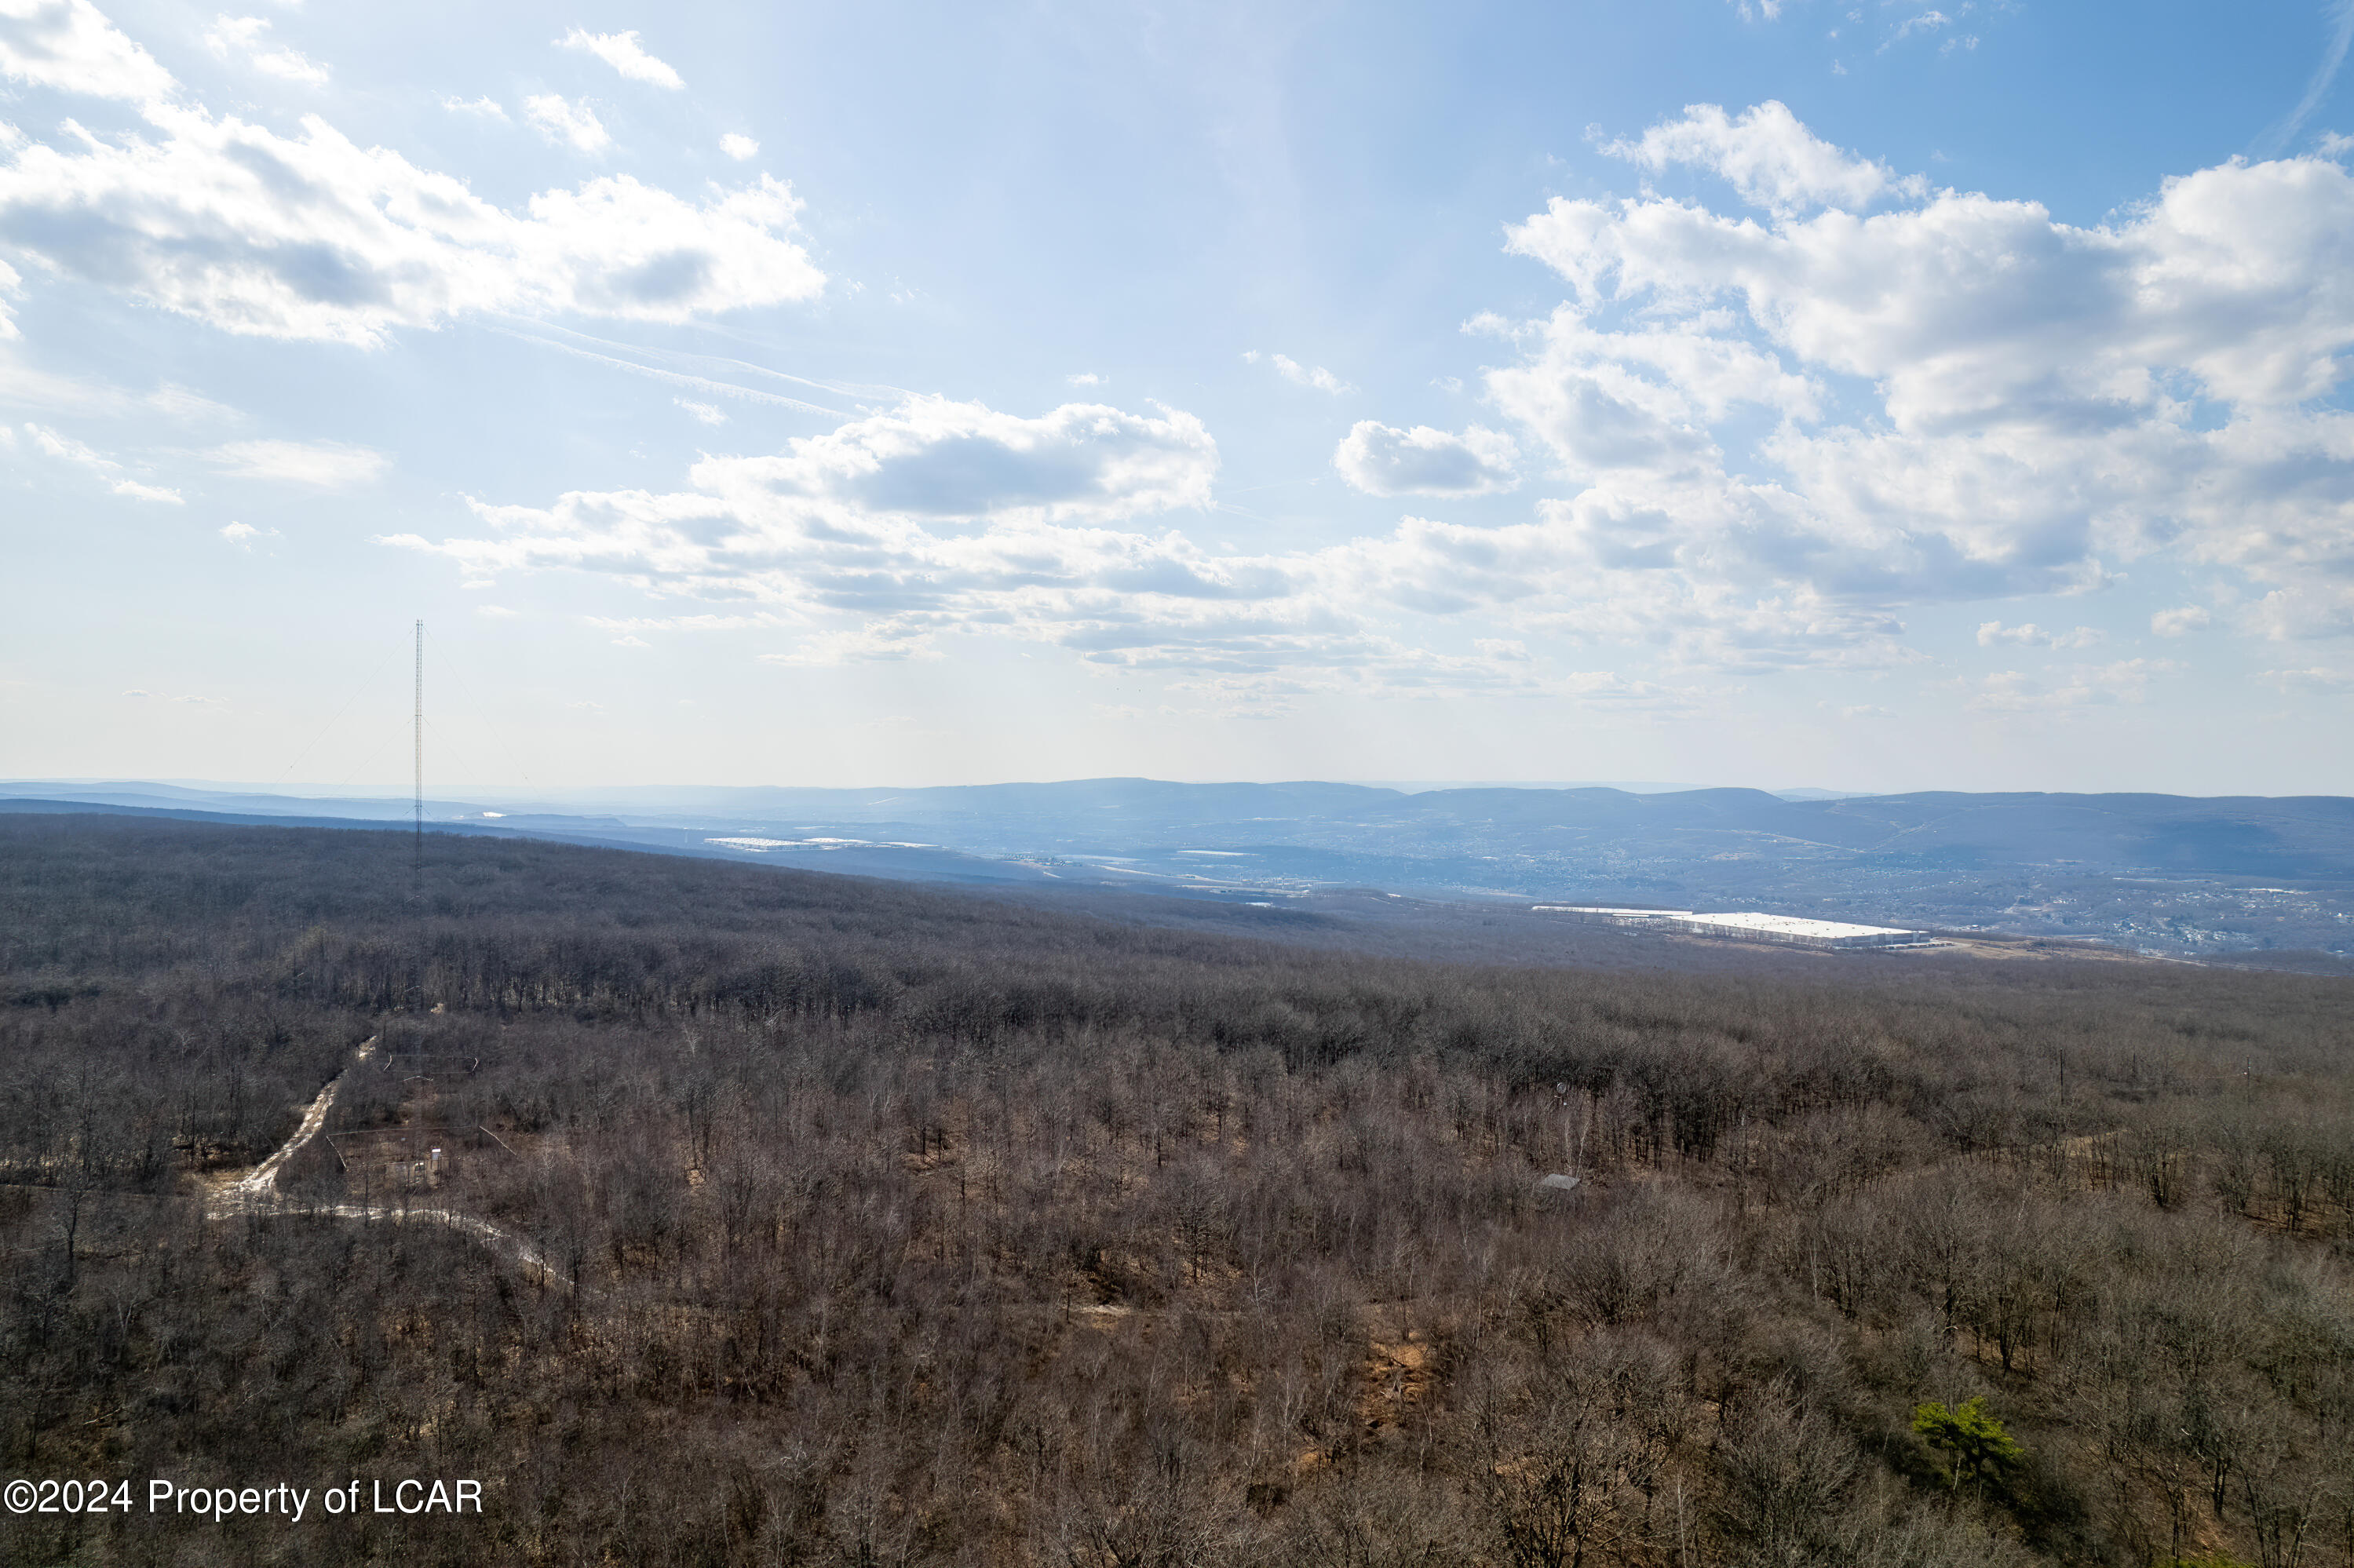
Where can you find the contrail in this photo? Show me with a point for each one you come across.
(690, 362)
(699, 383)
(2340, 14)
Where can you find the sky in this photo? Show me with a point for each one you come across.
(1858, 395)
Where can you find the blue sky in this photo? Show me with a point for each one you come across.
(1869, 396)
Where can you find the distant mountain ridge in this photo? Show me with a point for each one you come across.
(2293, 835)
(2170, 873)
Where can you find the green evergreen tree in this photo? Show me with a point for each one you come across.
(1975, 1441)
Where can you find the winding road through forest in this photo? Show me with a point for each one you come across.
(256, 1193)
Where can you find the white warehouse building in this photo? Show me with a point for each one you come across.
(1791, 929)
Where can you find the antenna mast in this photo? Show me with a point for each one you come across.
(417, 857)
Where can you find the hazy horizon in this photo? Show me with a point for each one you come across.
(400, 791)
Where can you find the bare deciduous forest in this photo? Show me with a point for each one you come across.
(815, 1220)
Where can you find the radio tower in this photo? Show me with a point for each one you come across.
(417, 856)
(416, 850)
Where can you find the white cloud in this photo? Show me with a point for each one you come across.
(2180, 621)
(624, 54)
(66, 449)
(1994, 633)
(1088, 379)
(1642, 399)
(2329, 682)
(1767, 156)
(243, 534)
(317, 238)
(489, 109)
(2083, 686)
(1299, 375)
(231, 36)
(321, 465)
(708, 413)
(936, 516)
(69, 45)
(561, 120)
(738, 146)
(495, 612)
(864, 515)
(1381, 459)
(1925, 22)
(1961, 398)
(940, 518)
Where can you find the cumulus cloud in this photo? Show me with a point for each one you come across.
(1773, 161)
(624, 54)
(1955, 399)
(314, 237)
(489, 109)
(1299, 375)
(938, 517)
(1644, 399)
(1381, 459)
(561, 120)
(69, 45)
(928, 513)
(738, 146)
(320, 465)
(243, 534)
(231, 37)
(2180, 621)
(1994, 634)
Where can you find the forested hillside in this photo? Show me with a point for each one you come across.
(781, 1218)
